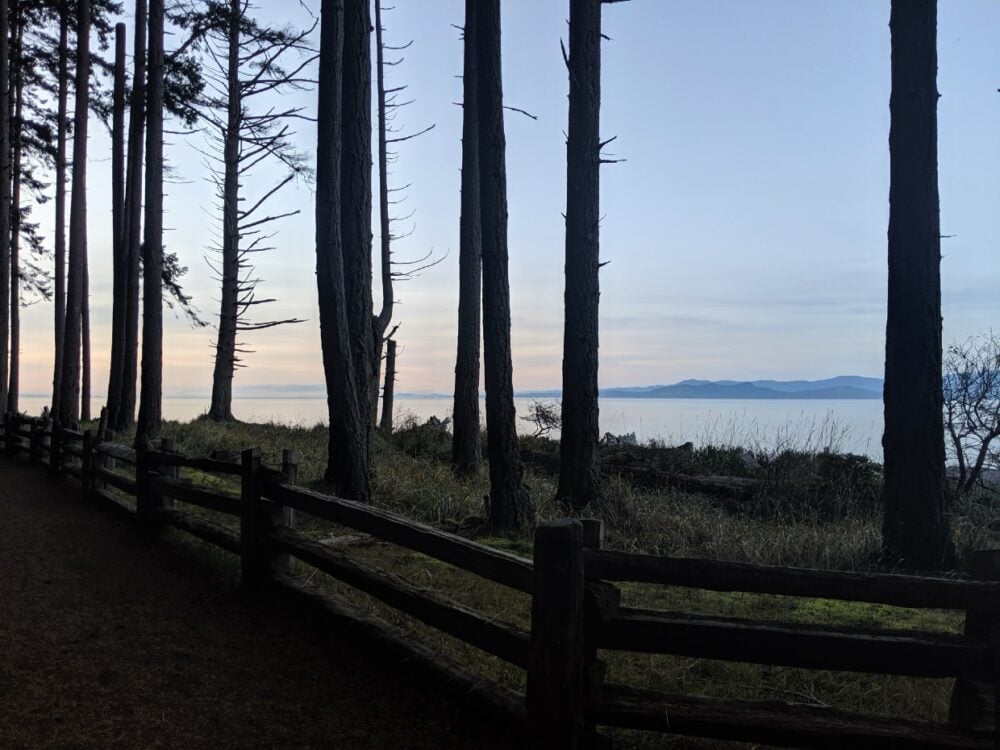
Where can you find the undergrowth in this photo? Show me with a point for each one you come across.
(815, 509)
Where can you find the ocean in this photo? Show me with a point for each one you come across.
(845, 425)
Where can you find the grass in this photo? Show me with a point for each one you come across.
(821, 513)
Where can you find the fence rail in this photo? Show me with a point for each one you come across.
(575, 607)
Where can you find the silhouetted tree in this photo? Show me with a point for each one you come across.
(6, 175)
(349, 466)
(465, 450)
(972, 406)
(150, 395)
(69, 401)
(915, 528)
(388, 104)
(579, 465)
(119, 242)
(248, 62)
(17, 146)
(62, 114)
(510, 503)
(389, 389)
(356, 208)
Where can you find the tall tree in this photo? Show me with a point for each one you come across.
(356, 208)
(249, 62)
(915, 528)
(510, 503)
(348, 459)
(388, 104)
(6, 174)
(150, 398)
(17, 147)
(579, 467)
(465, 450)
(69, 402)
(388, 391)
(119, 243)
(124, 359)
(62, 113)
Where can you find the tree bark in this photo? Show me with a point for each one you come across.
(69, 403)
(356, 209)
(388, 391)
(62, 113)
(466, 453)
(150, 398)
(510, 503)
(85, 341)
(6, 175)
(132, 222)
(119, 245)
(15, 224)
(579, 468)
(915, 528)
(221, 408)
(348, 465)
(380, 324)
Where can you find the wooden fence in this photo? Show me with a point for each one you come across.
(575, 612)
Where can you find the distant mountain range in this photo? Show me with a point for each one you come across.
(841, 387)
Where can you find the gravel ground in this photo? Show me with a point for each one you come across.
(109, 641)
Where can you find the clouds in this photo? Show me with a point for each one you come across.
(746, 230)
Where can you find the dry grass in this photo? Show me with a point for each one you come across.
(666, 522)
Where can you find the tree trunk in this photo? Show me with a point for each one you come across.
(221, 408)
(465, 448)
(62, 112)
(356, 209)
(915, 529)
(6, 174)
(381, 322)
(15, 224)
(119, 301)
(132, 223)
(85, 342)
(69, 402)
(510, 503)
(348, 466)
(579, 468)
(385, 427)
(148, 426)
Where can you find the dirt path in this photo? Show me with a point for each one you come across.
(107, 641)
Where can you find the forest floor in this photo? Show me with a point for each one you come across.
(109, 641)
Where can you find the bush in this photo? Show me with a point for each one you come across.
(431, 439)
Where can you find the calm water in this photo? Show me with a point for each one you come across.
(846, 425)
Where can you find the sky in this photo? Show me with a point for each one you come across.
(744, 230)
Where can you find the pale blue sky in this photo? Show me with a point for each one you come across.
(745, 230)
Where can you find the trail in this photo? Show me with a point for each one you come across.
(109, 641)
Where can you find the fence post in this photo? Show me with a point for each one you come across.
(174, 472)
(290, 475)
(973, 702)
(144, 499)
(87, 465)
(556, 669)
(35, 441)
(99, 461)
(11, 423)
(252, 567)
(55, 448)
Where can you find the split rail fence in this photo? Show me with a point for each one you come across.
(576, 611)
